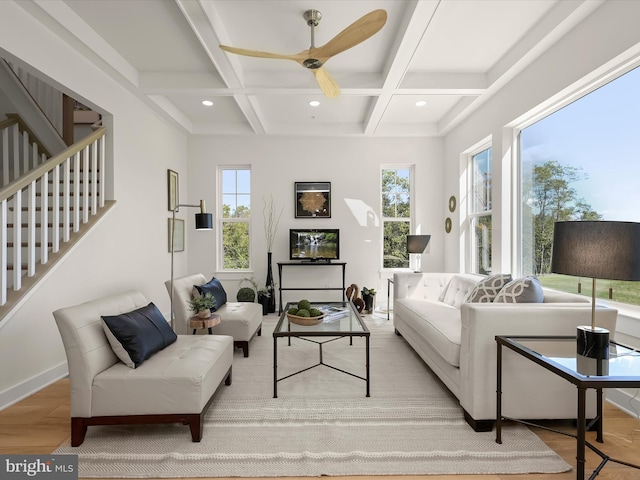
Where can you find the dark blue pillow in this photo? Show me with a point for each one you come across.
(135, 336)
(214, 287)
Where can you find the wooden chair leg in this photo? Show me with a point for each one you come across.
(78, 431)
(196, 425)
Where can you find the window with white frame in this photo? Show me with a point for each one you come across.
(580, 163)
(480, 213)
(234, 217)
(397, 199)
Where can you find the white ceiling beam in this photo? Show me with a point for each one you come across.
(415, 23)
(208, 29)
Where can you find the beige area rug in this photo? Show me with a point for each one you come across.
(321, 423)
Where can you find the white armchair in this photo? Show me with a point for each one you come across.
(241, 320)
(175, 385)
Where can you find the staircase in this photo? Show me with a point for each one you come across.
(46, 205)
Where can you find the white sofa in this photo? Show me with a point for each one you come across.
(175, 385)
(457, 341)
(241, 320)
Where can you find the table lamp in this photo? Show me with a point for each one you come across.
(415, 246)
(596, 249)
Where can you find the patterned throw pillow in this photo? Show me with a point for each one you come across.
(487, 288)
(521, 290)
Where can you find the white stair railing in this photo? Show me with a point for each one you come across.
(52, 199)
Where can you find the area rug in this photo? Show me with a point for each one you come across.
(320, 424)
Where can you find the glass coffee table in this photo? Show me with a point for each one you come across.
(343, 320)
(558, 355)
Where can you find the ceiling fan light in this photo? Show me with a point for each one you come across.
(314, 103)
(421, 103)
(207, 103)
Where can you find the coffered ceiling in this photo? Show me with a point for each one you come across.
(451, 54)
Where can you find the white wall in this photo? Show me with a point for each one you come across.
(352, 165)
(128, 249)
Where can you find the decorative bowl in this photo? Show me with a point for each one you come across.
(306, 321)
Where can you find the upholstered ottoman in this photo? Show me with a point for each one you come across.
(173, 385)
(241, 320)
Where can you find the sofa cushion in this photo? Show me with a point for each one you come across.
(457, 290)
(214, 287)
(135, 336)
(436, 323)
(488, 288)
(521, 290)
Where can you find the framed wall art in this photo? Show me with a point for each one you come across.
(313, 199)
(172, 188)
(178, 239)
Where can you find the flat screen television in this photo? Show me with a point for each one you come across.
(314, 245)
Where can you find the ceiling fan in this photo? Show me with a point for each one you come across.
(315, 58)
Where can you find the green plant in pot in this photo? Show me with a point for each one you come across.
(368, 295)
(202, 305)
(247, 294)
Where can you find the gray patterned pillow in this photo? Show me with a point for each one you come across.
(521, 290)
(487, 288)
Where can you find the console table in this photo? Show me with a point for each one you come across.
(310, 264)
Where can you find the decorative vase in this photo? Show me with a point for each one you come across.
(368, 303)
(206, 313)
(269, 285)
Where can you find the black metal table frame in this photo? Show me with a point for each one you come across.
(343, 265)
(333, 337)
(597, 383)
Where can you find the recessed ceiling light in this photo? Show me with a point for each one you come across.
(207, 103)
(421, 103)
(314, 103)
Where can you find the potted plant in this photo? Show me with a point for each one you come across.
(368, 295)
(202, 305)
(264, 295)
(247, 294)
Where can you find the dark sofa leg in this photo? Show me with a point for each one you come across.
(196, 425)
(78, 431)
(228, 380)
(397, 332)
(478, 425)
(243, 345)
(260, 331)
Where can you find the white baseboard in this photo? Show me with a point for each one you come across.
(624, 401)
(31, 386)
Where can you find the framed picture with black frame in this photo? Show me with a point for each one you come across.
(313, 200)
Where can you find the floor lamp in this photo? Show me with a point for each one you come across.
(204, 221)
(596, 249)
(415, 246)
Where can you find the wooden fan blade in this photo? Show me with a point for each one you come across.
(356, 33)
(326, 82)
(255, 53)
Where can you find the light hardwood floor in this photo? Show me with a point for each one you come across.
(40, 423)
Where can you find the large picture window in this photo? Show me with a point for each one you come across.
(480, 212)
(396, 216)
(234, 218)
(580, 163)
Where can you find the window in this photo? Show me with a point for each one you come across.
(480, 212)
(396, 216)
(234, 218)
(580, 163)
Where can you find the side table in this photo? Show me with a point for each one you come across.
(557, 354)
(197, 323)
